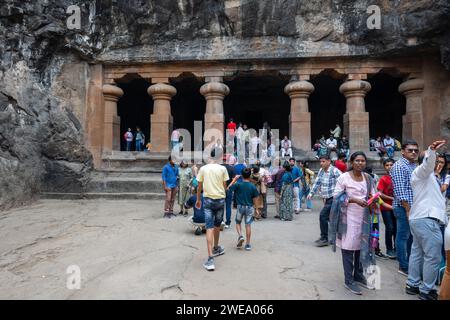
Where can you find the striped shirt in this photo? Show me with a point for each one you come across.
(401, 178)
(326, 181)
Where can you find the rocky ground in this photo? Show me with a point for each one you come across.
(126, 250)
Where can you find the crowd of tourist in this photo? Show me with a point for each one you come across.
(410, 199)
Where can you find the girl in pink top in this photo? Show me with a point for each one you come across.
(354, 183)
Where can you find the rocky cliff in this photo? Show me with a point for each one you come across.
(41, 132)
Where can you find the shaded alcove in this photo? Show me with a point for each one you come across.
(254, 99)
(134, 108)
(188, 105)
(327, 105)
(386, 106)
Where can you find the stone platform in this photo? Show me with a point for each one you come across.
(137, 175)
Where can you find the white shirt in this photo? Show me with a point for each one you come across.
(175, 135)
(389, 142)
(286, 144)
(129, 136)
(428, 199)
(331, 143)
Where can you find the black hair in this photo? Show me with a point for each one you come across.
(356, 154)
(291, 159)
(369, 170)
(409, 142)
(388, 160)
(444, 171)
(246, 173)
(287, 166)
(170, 158)
(342, 155)
(325, 157)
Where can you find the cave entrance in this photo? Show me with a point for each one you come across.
(327, 105)
(386, 106)
(134, 108)
(255, 99)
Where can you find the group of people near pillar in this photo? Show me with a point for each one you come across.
(386, 146)
(139, 139)
(334, 146)
(411, 199)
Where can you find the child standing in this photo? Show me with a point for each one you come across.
(246, 194)
(386, 188)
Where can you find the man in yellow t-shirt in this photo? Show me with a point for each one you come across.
(212, 180)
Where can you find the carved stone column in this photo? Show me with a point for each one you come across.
(214, 93)
(300, 117)
(356, 119)
(111, 122)
(413, 119)
(161, 119)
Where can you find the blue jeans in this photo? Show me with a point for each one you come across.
(304, 194)
(425, 254)
(390, 224)
(138, 145)
(228, 204)
(390, 152)
(244, 212)
(129, 145)
(213, 209)
(404, 239)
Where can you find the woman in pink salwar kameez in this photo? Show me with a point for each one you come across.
(355, 183)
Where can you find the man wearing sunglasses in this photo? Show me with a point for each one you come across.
(426, 219)
(403, 198)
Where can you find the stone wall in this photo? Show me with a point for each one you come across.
(44, 66)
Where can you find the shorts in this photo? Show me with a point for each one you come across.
(213, 209)
(246, 211)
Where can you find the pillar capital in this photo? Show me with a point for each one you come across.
(162, 91)
(411, 87)
(355, 88)
(214, 90)
(299, 89)
(111, 92)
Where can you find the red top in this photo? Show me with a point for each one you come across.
(340, 165)
(385, 185)
(232, 127)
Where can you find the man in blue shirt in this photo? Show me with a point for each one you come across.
(403, 199)
(296, 175)
(170, 185)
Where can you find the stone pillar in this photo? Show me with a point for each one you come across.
(214, 93)
(111, 127)
(161, 119)
(413, 119)
(356, 119)
(300, 118)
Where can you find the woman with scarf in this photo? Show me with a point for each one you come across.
(350, 222)
(287, 194)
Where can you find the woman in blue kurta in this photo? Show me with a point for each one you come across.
(287, 194)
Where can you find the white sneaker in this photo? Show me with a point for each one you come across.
(307, 210)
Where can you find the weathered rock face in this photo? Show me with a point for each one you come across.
(44, 65)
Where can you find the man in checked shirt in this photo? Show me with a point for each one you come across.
(403, 199)
(326, 181)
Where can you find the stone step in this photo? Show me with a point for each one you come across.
(103, 195)
(125, 184)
